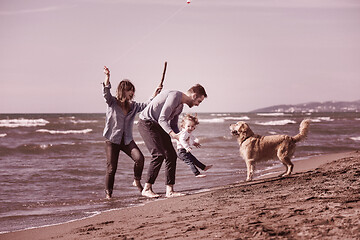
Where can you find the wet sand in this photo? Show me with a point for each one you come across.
(321, 200)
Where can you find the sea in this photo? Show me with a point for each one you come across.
(52, 166)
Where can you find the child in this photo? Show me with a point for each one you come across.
(186, 140)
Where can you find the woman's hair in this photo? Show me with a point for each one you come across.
(189, 117)
(124, 85)
(198, 90)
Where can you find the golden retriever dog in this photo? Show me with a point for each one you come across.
(255, 148)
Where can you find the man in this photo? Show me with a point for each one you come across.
(158, 123)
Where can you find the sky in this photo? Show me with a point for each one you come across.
(248, 54)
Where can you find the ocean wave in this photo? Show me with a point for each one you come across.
(84, 131)
(322, 119)
(70, 117)
(22, 122)
(220, 114)
(3, 135)
(276, 123)
(83, 121)
(26, 148)
(355, 138)
(271, 114)
(223, 119)
(212, 120)
(41, 148)
(237, 118)
(218, 139)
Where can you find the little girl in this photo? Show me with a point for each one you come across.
(186, 140)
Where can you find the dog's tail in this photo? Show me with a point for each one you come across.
(303, 130)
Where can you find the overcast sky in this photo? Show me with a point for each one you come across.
(248, 54)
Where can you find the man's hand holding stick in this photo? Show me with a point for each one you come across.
(161, 85)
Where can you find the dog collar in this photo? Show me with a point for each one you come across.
(244, 140)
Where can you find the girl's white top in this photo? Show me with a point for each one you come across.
(186, 140)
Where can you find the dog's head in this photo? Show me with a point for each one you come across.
(241, 130)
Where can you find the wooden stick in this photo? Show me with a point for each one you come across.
(159, 88)
(163, 76)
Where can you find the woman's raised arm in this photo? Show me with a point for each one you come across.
(107, 76)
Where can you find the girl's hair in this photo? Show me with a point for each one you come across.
(189, 117)
(124, 85)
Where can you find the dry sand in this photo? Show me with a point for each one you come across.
(320, 201)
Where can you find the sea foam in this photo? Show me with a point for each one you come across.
(220, 114)
(355, 138)
(83, 121)
(271, 114)
(237, 118)
(276, 123)
(212, 120)
(223, 119)
(322, 119)
(22, 122)
(65, 131)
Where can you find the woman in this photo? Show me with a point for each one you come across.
(120, 115)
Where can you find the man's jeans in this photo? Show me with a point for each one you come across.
(159, 144)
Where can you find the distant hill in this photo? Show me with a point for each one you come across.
(330, 106)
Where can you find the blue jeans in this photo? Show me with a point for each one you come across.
(190, 160)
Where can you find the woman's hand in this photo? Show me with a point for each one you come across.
(107, 76)
(106, 71)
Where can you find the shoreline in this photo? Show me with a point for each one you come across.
(305, 164)
(138, 222)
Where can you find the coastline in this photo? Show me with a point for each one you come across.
(320, 199)
(306, 164)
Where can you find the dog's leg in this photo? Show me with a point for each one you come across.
(288, 164)
(250, 169)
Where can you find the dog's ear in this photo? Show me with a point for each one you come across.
(248, 130)
(243, 127)
(245, 131)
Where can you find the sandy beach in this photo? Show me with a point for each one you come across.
(321, 200)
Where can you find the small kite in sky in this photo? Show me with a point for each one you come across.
(188, 1)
